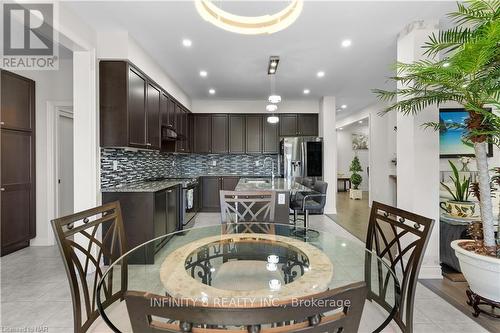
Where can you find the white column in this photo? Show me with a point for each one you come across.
(418, 152)
(86, 149)
(328, 132)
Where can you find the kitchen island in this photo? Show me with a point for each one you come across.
(283, 187)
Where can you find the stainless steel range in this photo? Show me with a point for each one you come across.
(190, 199)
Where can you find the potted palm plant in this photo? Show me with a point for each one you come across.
(460, 206)
(468, 73)
(356, 179)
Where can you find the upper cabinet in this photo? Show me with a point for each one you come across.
(134, 109)
(237, 133)
(307, 124)
(220, 133)
(302, 124)
(270, 136)
(253, 134)
(153, 117)
(202, 133)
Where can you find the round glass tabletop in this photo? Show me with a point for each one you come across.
(240, 265)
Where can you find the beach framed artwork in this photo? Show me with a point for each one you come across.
(450, 140)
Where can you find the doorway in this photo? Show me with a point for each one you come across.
(353, 209)
(64, 161)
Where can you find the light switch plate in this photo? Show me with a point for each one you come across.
(281, 198)
(214, 163)
(115, 165)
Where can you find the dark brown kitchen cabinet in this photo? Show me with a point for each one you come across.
(187, 130)
(288, 125)
(147, 215)
(210, 187)
(202, 128)
(136, 109)
(153, 112)
(229, 183)
(271, 140)
(253, 134)
(133, 109)
(220, 133)
(237, 134)
(302, 124)
(307, 124)
(210, 190)
(17, 138)
(181, 126)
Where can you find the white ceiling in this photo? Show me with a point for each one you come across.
(237, 64)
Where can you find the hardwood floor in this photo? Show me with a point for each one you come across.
(352, 215)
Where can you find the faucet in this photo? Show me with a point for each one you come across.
(272, 165)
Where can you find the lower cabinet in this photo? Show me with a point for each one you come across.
(147, 215)
(210, 188)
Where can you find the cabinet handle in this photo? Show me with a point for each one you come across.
(148, 144)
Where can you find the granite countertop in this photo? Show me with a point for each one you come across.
(143, 186)
(268, 184)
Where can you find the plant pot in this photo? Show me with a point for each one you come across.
(459, 208)
(481, 272)
(355, 194)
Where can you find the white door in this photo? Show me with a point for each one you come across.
(65, 163)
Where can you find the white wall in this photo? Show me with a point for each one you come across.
(119, 45)
(345, 154)
(382, 138)
(50, 86)
(253, 106)
(327, 129)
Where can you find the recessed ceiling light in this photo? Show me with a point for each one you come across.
(320, 74)
(187, 42)
(306, 91)
(203, 73)
(346, 43)
(360, 122)
(343, 106)
(446, 64)
(272, 70)
(271, 107)
(274, 99)
(211, 91)
(341, 128)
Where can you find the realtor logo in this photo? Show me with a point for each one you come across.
(29, 37)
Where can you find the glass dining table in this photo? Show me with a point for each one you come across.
(234, 264)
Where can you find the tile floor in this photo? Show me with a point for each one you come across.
(35, 293)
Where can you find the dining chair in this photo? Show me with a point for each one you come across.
(400, 238)
(246, 209)
(335, 310)
(85, 256)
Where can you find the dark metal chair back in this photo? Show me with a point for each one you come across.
(336, 310)
(84, 263)
(252, 206)
(400, 237)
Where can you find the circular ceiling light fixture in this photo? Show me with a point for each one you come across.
(273, 119)
(249, 25)
(274, 99)
(271, 107)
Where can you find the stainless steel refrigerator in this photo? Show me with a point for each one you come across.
(301, 157)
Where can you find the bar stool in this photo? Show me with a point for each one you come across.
(312, 201)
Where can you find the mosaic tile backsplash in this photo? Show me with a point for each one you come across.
(138, 165)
